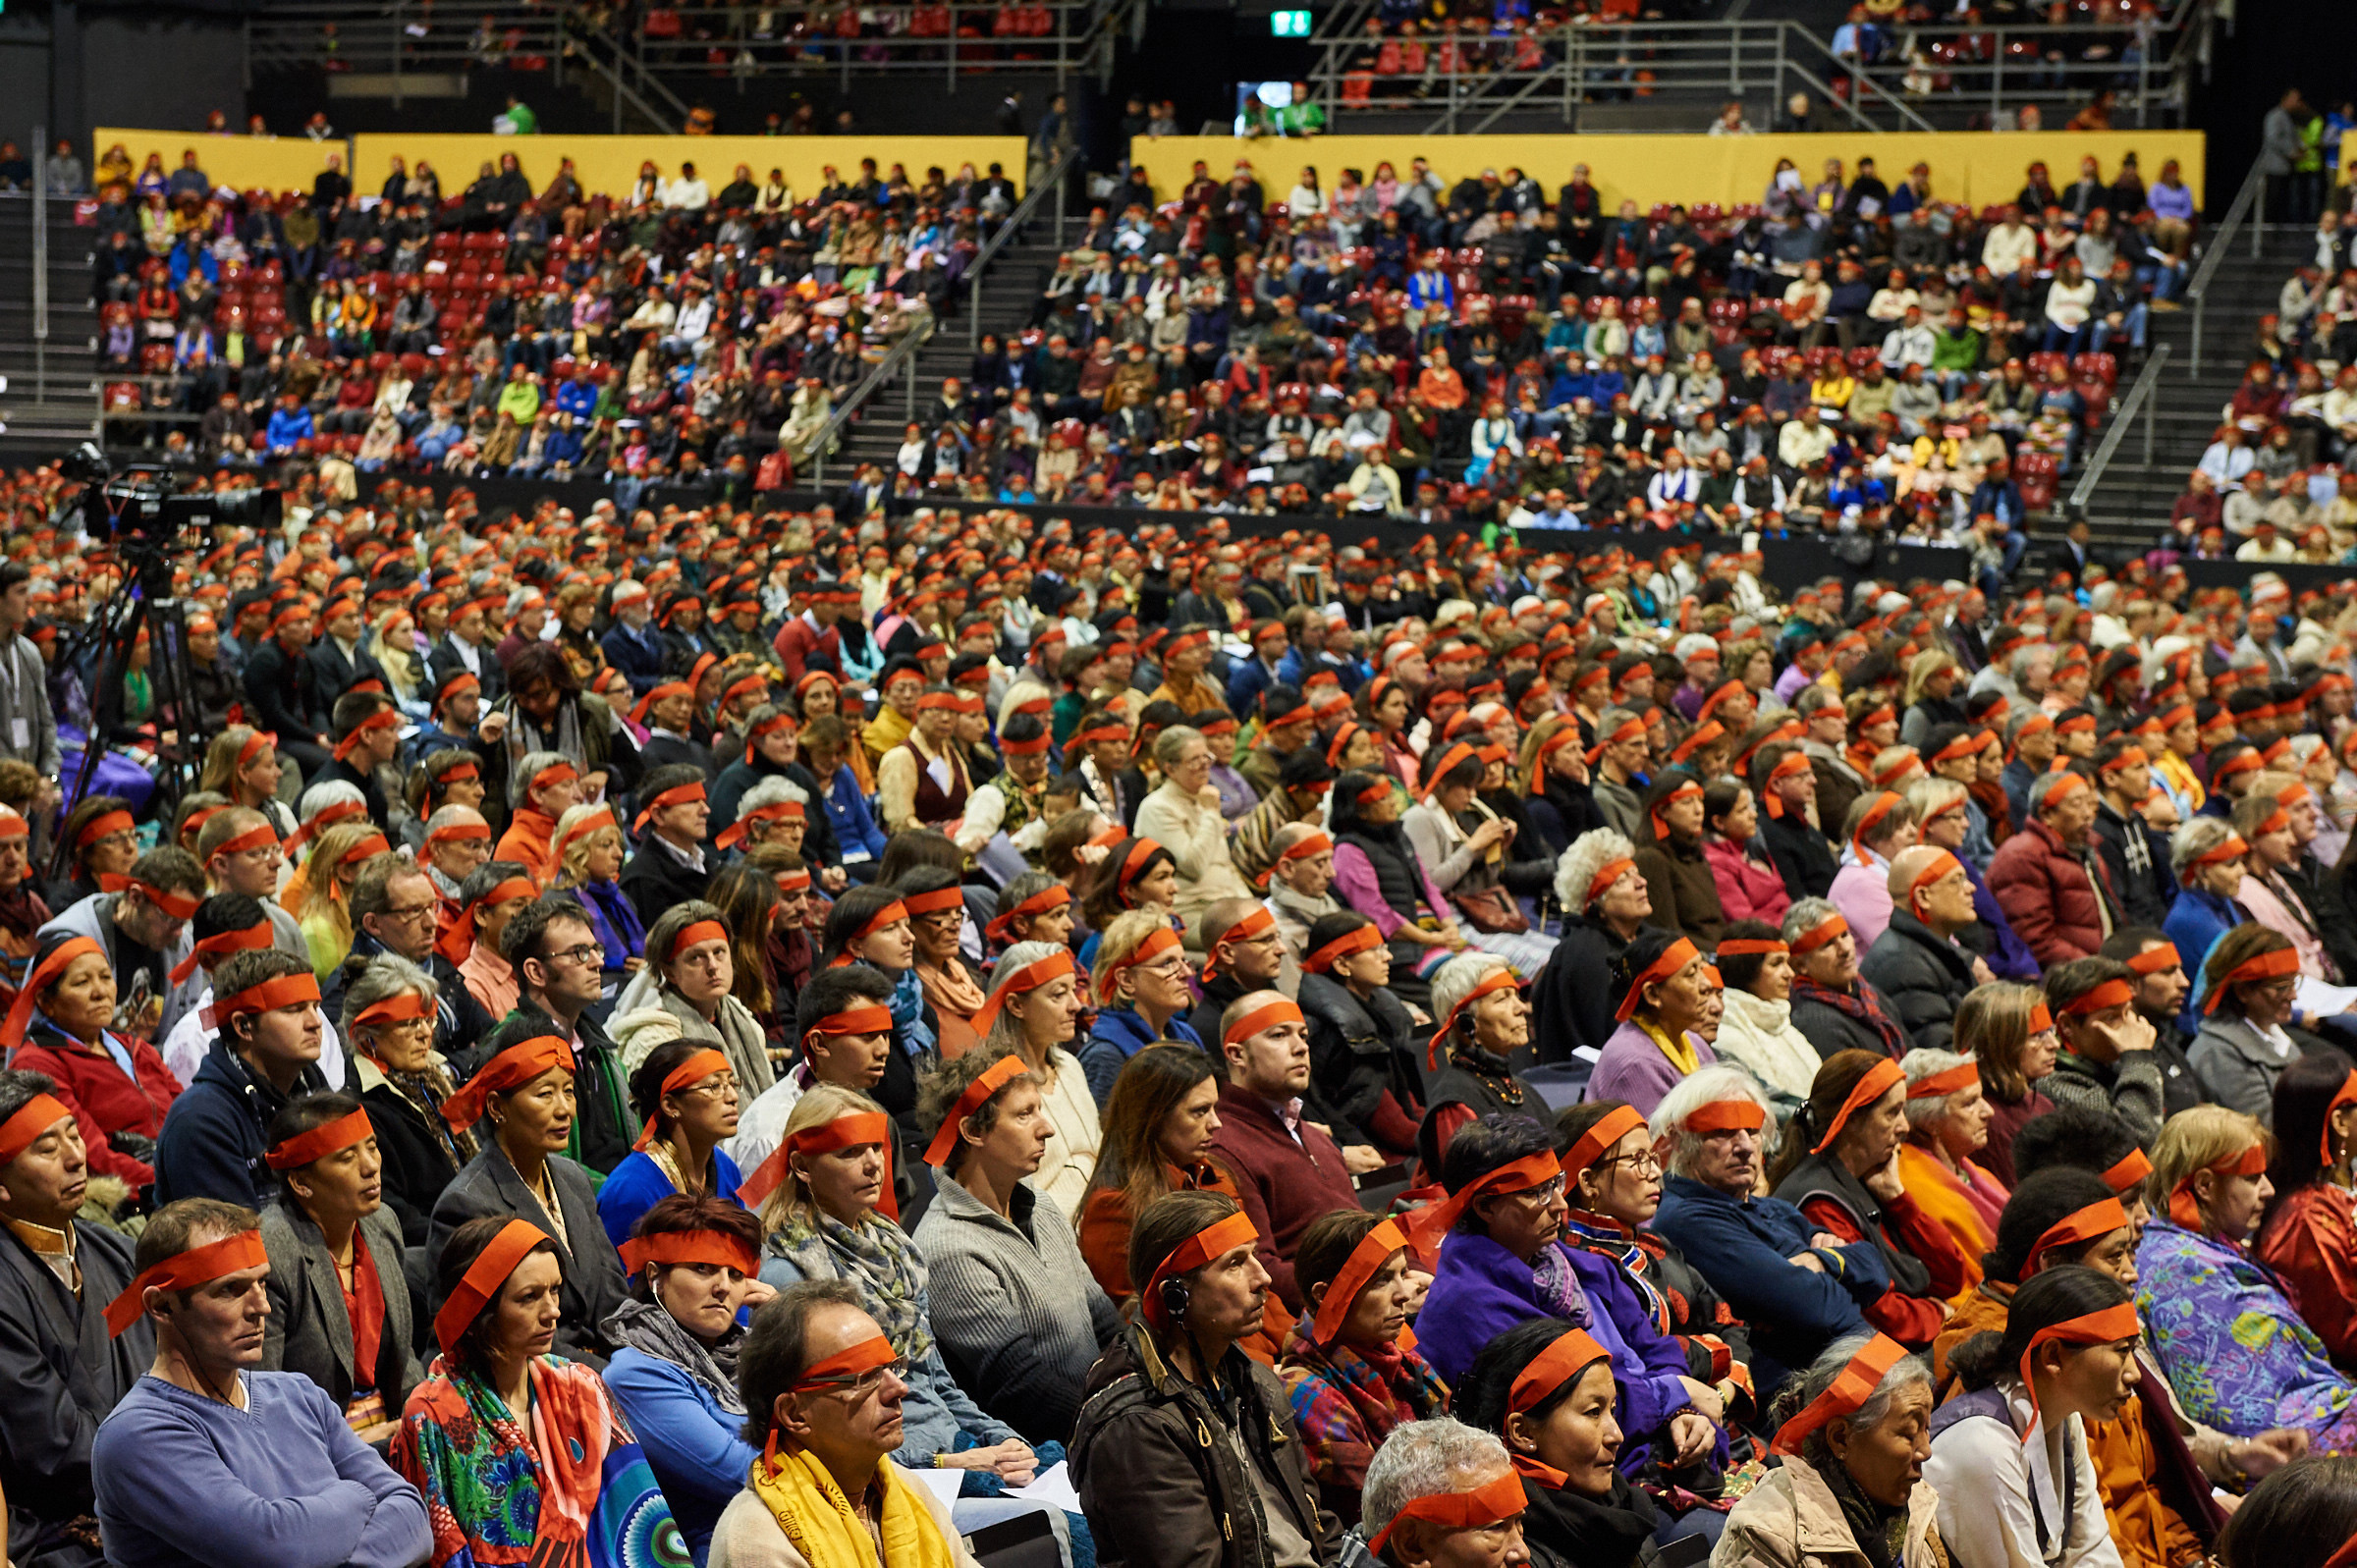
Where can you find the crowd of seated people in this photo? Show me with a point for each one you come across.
(2276, 482)
(1479, 346)
(664, 331)
(680, 1017)
(1839, 354)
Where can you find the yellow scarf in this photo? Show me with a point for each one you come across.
(819, 1520)
(1681, 1053)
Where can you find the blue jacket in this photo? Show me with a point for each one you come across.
(288, 426)
(696, 1448)
(212, 1143)
(1118, 1034)
(1746, 1249)
(636, 654)
(848, 815)
(2195, 923)
(637, 1184)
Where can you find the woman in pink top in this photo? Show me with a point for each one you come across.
(1750, 887)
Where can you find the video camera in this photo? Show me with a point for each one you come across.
(144, 504)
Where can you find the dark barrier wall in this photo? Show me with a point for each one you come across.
(1789, 565)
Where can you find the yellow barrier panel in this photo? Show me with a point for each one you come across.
(609, 165)
(273, 163)
(1976, 168)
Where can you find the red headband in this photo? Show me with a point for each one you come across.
(2096, 1219)
(102, 825)
(320, 1142)
(1257, 922)
(1264, 1017)
(1374, 1249)
(977, 1094)
(1609, 872)
(1496, 980)
(178, 905)
(2184, 1210)
(1569, 1355)
(382, 718)
(221, 944)
(1854, 1385)
(1879, 1079)
(1220, 1237)
(1358, 939)
(480, 1285)
(677, 796)
(1939, 1085)
(283, 991)
(29, 1126)
(1608, 1130)
(2128, 1172)
(1047, 898)
(1816, 935)
(2264, 966)
(1029, 978)
(198, 1265)
(516, 1065)
(694, 1071)
(2092, 1329)
(715, 1247)
(1485, 1505)
(691, 934)
(1674, 958)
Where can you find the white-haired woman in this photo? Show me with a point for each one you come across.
(1438, 1492)
(1947, 1123)
(1483, 1021)
(1856, 1429)
(1182, 815)
(1605, 900)
(2207, 857)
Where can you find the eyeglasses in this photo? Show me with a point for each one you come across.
(422, 911)
(720, 1086)
(1545, 1193)
(860, 1385)
(589, 952)
(1643, 1164)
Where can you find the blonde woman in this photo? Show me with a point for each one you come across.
(395, 648)
(1931, 698)
(325, 910)
(243, 765)
(588, 849)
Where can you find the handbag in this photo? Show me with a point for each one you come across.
(1492, 910)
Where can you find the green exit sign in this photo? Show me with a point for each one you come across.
(1289, 24)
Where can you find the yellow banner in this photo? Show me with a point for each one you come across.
(250, 163)
(1976, 168)
(610, 165)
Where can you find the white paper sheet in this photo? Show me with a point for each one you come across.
(944, 1483)
(1052, 1487)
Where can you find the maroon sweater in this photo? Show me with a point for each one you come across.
(1283, 1185)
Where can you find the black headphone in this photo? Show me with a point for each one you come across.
(1174, 1299)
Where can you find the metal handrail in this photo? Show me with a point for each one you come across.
(1022, 215)
(1864, 78)
(905, 352)
(2251, 200)
(2144, 397)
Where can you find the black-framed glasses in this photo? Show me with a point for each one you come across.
(586, 953)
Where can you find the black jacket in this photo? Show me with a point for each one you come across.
(594, 1285)
(1572, 1005)
(1161, 1466)
(417, 1161)
(1803, 856)
(656, 879)
(1922, 975)
(1830, 1029)
(1357, 1049)
(2144, 895)
(282, 693)
(60, 1374)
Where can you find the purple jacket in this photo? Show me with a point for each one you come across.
(1633, 1068)
(1481, 1290)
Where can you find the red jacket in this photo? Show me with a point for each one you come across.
(1283, 1185)
(798, 640)
(101, 1099)
(1748, 888)
(2047, 893)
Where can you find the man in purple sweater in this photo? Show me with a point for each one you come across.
(1287, 1171)
(209, 1464)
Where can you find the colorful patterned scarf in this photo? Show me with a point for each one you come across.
(1347, 1399)
(581, 1497)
